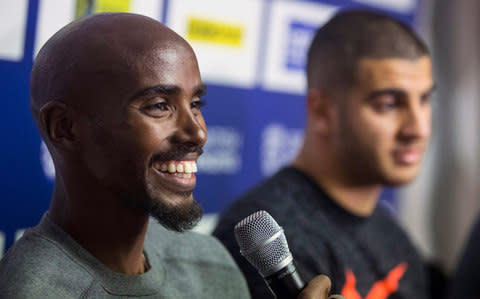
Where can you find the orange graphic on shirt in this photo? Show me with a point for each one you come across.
(380, 290)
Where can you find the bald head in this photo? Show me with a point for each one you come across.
(90, 58)
(116, 97)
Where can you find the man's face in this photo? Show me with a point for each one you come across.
(384, 124)
(142, 137)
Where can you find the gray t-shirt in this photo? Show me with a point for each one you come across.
(47, 263)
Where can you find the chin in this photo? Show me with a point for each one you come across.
(173, 199)
(176, 211)
(400, 180)
(179, 217)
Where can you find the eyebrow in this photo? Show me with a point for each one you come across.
(200, 90)
(394, 91)
(386, 91)
(167, 89)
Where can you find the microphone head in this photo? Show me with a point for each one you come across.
(263, 243)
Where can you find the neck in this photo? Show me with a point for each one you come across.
(359, 200)
(108, 229)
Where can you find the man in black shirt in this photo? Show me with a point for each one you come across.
(368, 124)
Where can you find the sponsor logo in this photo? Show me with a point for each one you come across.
(278, 147)
(47, 162)
(222, 153)
(207, 31)
(300, 35)
(2, 244)
(381, 289)
(87, 7)
(151, 8)
(113, 5)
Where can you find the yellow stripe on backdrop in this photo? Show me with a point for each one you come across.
(86, 7)
(113, 5)
(208, 31)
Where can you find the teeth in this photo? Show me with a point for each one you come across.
(188, 167)
(184, 167)
(184, 175)
(179, 167)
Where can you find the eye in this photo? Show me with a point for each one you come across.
(385, 103)
(198, 104)
(425, 99)
(163, 106)
(158, 109)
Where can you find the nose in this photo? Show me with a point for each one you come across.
(417, 121)
(191, 129)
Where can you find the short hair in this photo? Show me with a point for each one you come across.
(349, 36)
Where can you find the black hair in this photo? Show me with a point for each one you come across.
(349, 36)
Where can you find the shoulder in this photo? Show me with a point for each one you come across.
(36, 266)
(385, 218)
(188, 245)
(197, 260)
(385, 226)
(276, 195)
(285, 182)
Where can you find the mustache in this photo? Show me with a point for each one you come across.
(178, 152)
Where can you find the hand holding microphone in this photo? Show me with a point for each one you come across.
(263, 243)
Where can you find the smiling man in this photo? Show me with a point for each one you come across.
(117, 99)
(368, 124)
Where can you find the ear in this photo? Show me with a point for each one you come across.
(57, 122)
(320, 110)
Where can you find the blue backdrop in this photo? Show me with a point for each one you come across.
(252, 130)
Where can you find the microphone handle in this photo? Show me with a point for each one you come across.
(286, 283)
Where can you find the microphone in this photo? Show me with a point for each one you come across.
(263, 243)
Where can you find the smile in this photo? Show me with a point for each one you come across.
(408, 157)
(176, 176)
(182, 169)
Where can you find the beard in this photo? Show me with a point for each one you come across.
(150, 198)
(177, 218)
